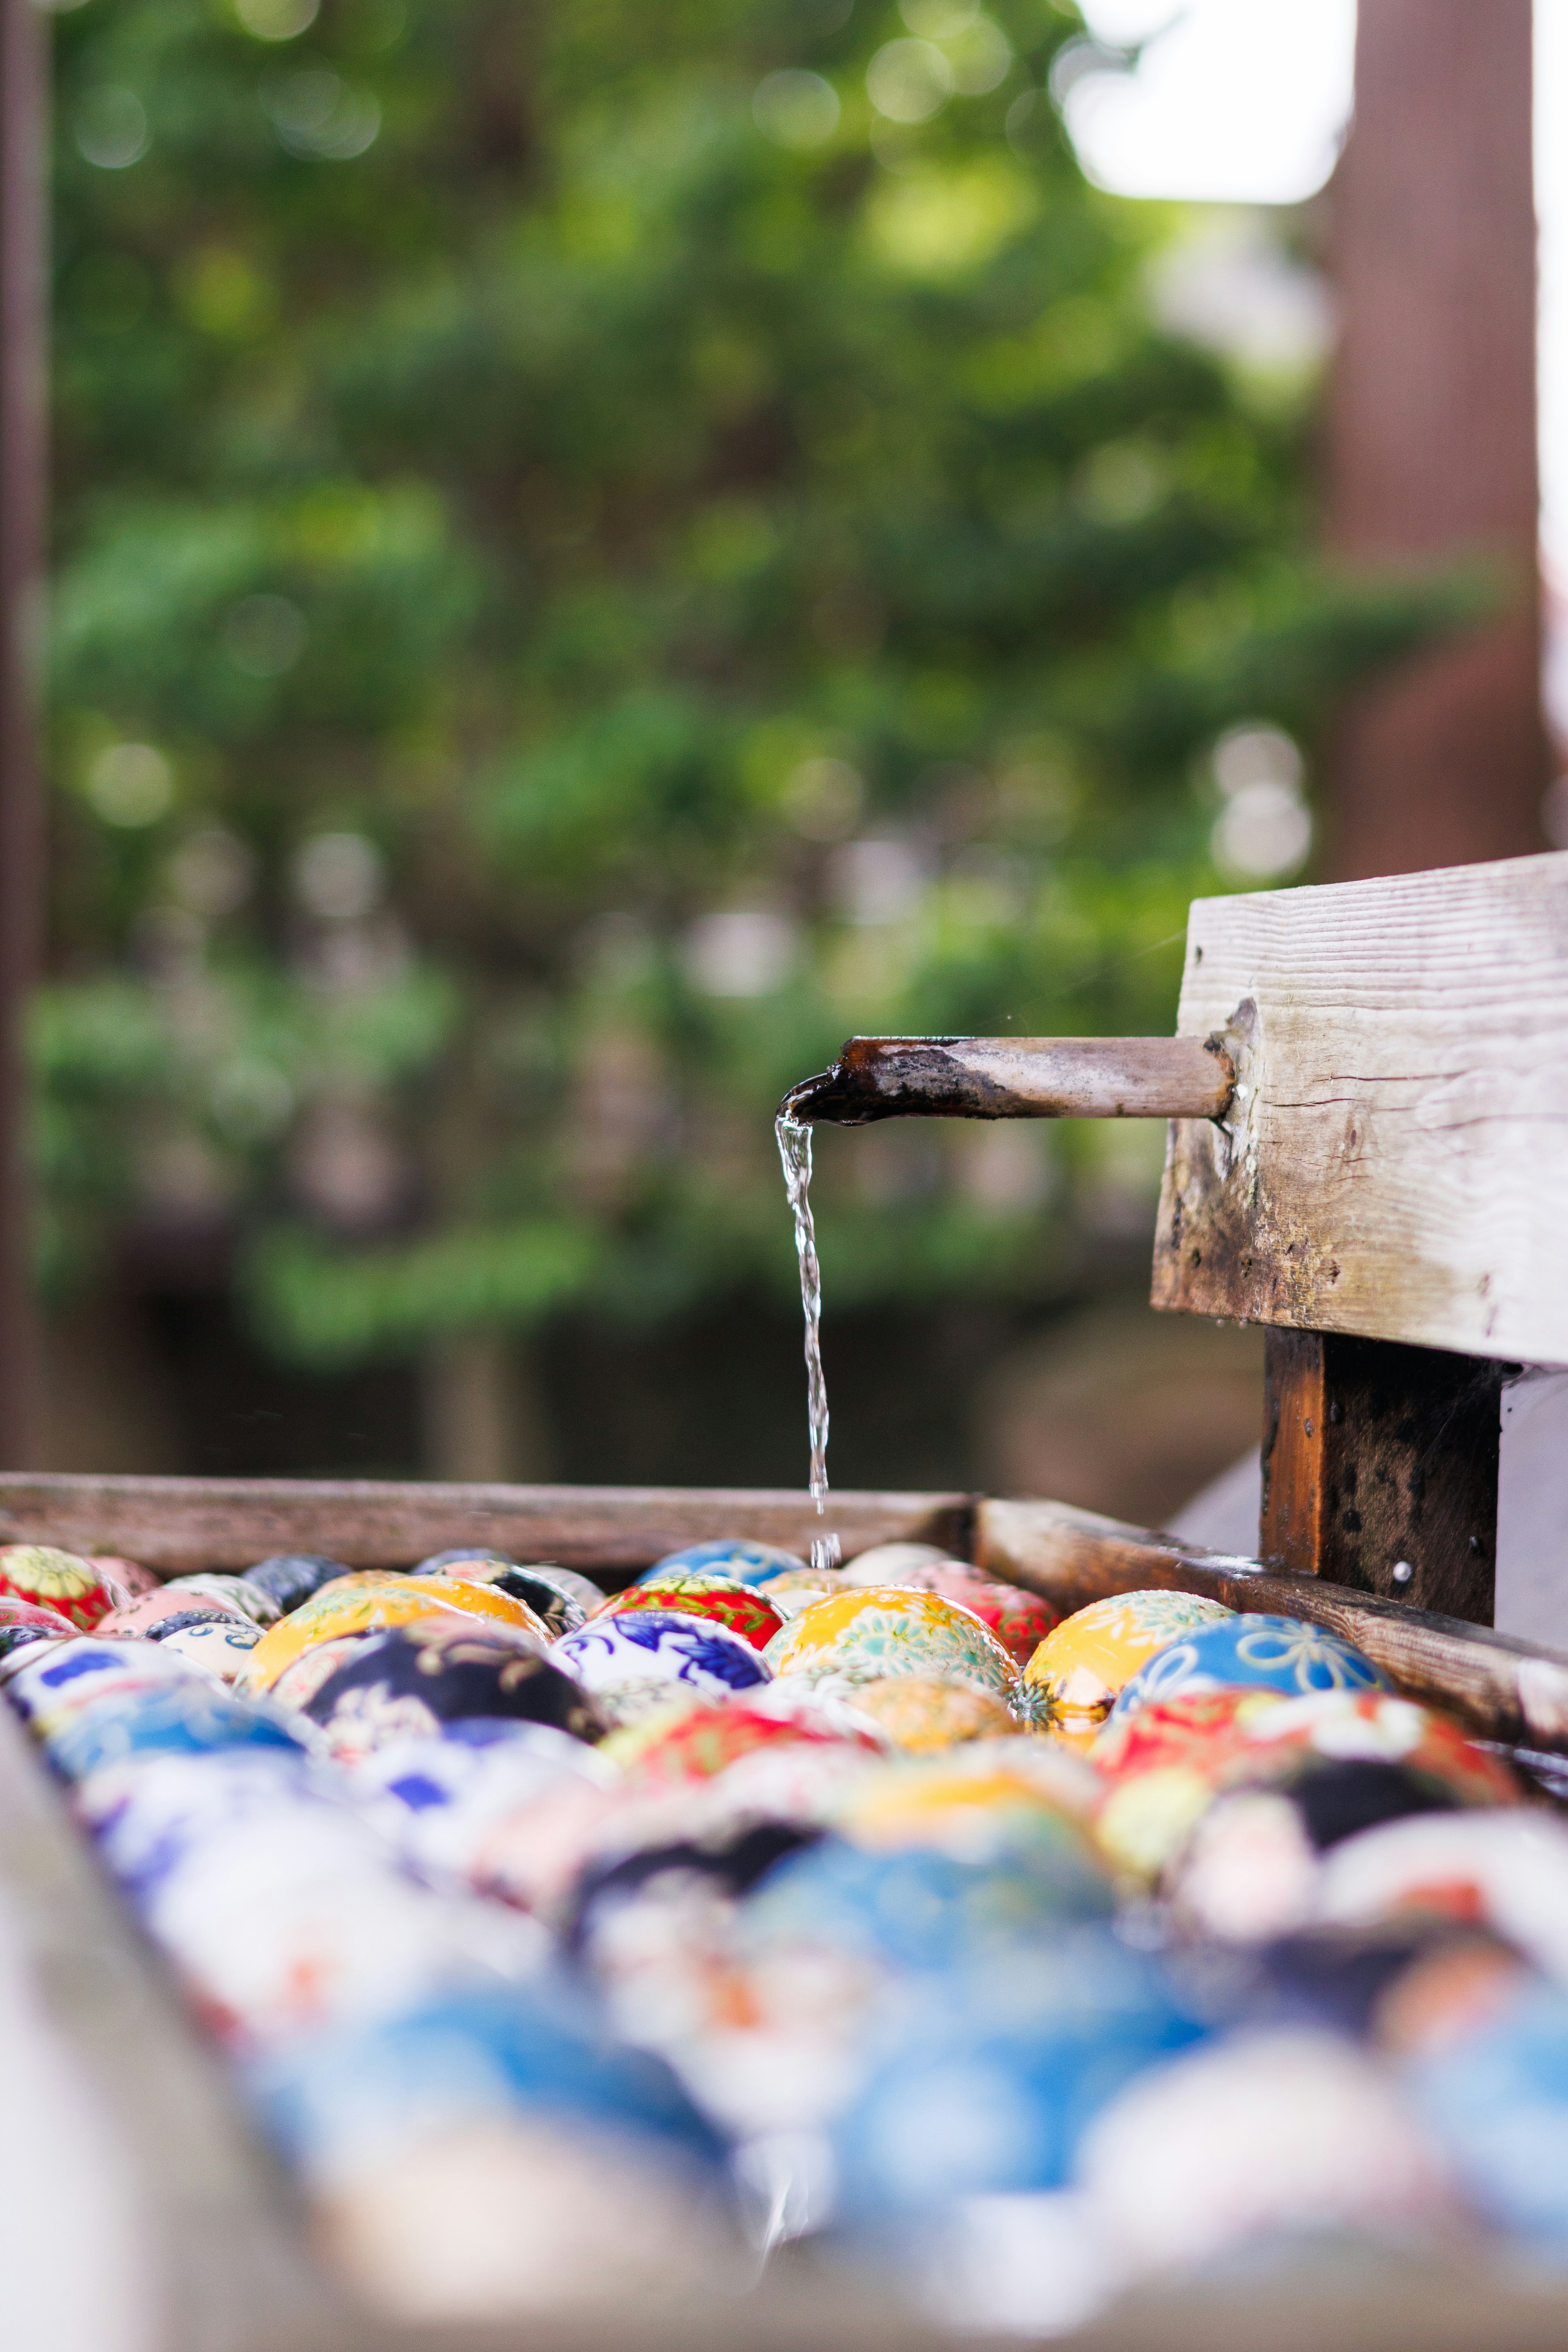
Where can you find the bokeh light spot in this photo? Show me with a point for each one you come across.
(277, 20)
(795, 109)
(111, 127)
(338, 876)
(909, 82)
(131, 784)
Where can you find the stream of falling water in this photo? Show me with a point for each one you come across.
(794, 1150)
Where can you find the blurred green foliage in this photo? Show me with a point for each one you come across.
(590, 563)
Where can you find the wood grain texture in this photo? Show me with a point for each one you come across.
(1017, 1077)
(1394, 1163)
(1502, 1689)
(1380, 1469)
(176, 1525)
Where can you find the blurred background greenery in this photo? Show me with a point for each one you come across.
(598, 550)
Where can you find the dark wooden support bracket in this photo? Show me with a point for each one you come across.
(1380, 1469)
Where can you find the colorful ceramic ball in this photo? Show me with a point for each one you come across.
(876, 1631)
(749, 1563)
(981, 1804)
(129, 1574)
(892, 1563)
(288, 1578)
(407, 1683)
(73, 1588)
(1073, 1677)
(364, 1604)
(217, 1645)
(63, 1682)
(1250, 1652)
(797, 1588)
(920, 1712)
(991, 2095)
(647, 1647)
(482, 1600)
(298, 1684)
(1164, 1764)
(150, 1608)
(719, 1600)
(1020, 1620)
(555, 1595)
(23, 1623)
(187, 1717)
(228, 1592)
(700, 1742)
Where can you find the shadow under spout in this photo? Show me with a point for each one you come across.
(1017, 1078)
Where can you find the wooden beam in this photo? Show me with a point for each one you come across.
(1506, 1690)
(23, 456)
(1396, 1159)
(1429, 436)
(175, 1525)
(1380, 1469)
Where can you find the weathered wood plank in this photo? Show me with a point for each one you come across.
(224, 2239)
(176, 1525)
(1394, 1161)
(1503, 1689)
(1380, 1469)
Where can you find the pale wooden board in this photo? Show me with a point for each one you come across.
(177, 1525)
(1395, 1160)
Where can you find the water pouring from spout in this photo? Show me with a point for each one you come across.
(795, 1151)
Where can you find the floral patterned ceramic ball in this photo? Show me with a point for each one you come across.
(869, 1633)
(1072, 1681)
(366, 1603)
(407, 1683)
(75, 1589)
(629, 1662)
(920, 1712)
(718, 1599)
(748, 1563)
(1249, 1653)
(1020, 1620)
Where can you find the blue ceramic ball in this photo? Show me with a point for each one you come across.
(748, 1563)
(1249, 1653)
(660, 1645)
(989, 2083)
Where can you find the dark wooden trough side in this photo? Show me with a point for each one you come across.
(232, 2267)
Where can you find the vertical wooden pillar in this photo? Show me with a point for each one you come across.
(1430, 442)
(1380, 1469)
(23, 140)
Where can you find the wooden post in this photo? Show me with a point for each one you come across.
(1380, 1469)
(23, 133)
(1430, 441)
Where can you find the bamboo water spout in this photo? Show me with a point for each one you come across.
(1017, 1078)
